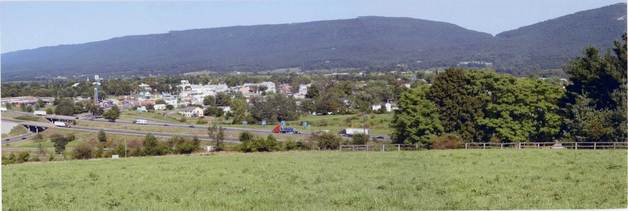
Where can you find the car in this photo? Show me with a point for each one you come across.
(23, 138)
(379, 137)
(192, 126)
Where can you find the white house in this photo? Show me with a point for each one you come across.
(225, 109)
(141, 109)
(388, 107)
(160, 107)
(192, 112)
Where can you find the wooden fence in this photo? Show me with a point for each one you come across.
(548, 145)
(476, 145)
(381, 147)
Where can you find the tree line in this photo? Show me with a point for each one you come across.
(483, 106)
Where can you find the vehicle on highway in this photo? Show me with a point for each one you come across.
(289, 130)
(39, 113)
(353, 131)
(140, 121)
(61, 124)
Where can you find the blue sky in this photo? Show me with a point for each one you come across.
(25, 25)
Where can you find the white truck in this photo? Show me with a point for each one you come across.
(353, 131)
(61, 124)
(140, 121)
(39, 113)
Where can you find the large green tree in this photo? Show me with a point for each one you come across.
(519, 109)
(458, 103)
(595, 101)
(417, 120)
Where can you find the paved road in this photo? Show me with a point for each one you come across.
(19, 138)
(178, 125)
(142, 133)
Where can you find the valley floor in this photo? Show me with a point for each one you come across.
(447, 179)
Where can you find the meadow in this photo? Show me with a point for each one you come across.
(447, 179)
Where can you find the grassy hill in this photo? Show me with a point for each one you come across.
(452, 179)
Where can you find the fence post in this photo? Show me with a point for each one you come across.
(466, 145)
(519, 145)
(501, 145)
(398, 147)
(614, 145)
(594, 145)
(383, 148)
(352, 147)
(483, 145)
(367, 147)
(576, 145)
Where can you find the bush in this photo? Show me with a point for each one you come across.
(252, 143)
(327, 141)
(83, 151)
(22, 157)
(290, 145)
(60, 141)
(447, 141)
(201, 121)
(9, 159)
(359, 139)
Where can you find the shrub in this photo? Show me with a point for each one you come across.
(83, 151)
(9, 159)
(60, 141)
(446, 141)
(359, 139)
(201, 121)
(290, 145)
(22, 157)
(327, 141)
(252, 143)
(102, 136)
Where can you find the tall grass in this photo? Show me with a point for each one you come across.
(449, 179)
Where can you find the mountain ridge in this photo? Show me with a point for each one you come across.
(367, 42)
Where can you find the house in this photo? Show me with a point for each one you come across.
(388, 107)
(142, 109)
(159, 107)
(192, 112)
(225, 109)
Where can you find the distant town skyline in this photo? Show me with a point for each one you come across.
(26, 25)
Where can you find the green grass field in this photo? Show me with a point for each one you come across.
(451, 179)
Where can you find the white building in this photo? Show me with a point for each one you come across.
(194, 93)
(302, 91)
(388, 107)
(160, 107)
(144, 91)
(141, 109)
(192, 112)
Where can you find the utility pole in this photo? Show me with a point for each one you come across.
(125, 147)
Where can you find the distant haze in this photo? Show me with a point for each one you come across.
(25, 25)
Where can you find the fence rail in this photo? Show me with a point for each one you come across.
(380, 147)
(477, 145)
(548, 145)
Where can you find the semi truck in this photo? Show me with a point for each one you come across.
(280, 129)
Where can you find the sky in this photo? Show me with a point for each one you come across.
(27, 25)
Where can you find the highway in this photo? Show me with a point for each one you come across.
(19, 138)
(156, 123)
